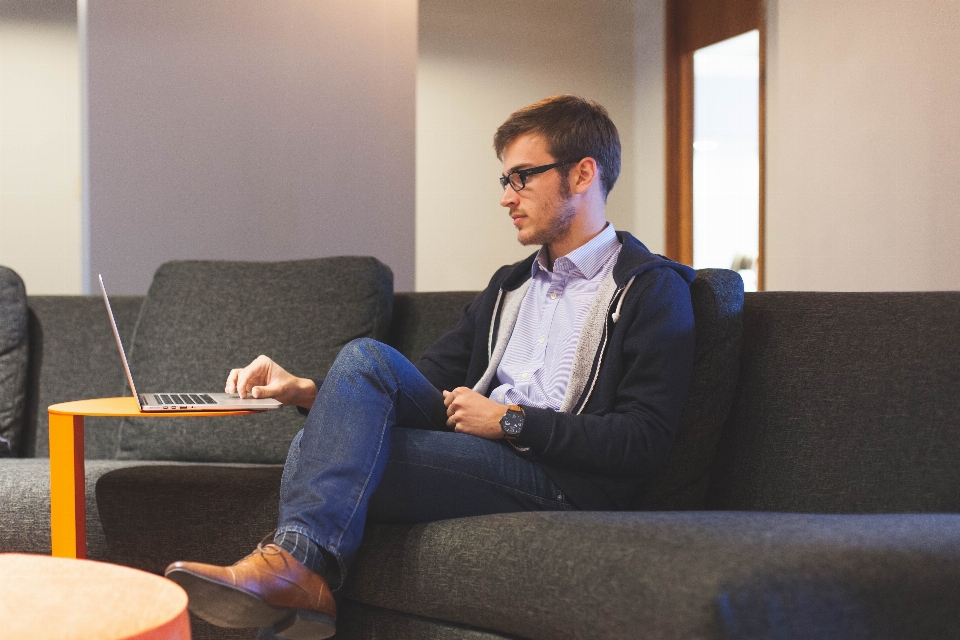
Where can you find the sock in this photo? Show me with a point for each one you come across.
(306, 551)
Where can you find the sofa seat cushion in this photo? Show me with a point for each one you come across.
(13, 361)
(156, 514)
(669, 575)
(357, 621)
(25, 500)
(202, 318)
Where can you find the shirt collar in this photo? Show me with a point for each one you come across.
(588, 258)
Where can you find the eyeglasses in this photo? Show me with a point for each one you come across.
(518, 179)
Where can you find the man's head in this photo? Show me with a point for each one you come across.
(573, 128)
(561, 157)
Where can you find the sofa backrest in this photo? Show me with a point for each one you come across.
(419, 319)
(73, 356)
(13, 361)
(717, 297)
(202, 318)
(846, 403)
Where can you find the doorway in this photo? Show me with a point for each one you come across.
(715, 141)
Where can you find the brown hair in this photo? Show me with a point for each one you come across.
(573, 127)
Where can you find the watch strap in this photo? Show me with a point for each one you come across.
(509, 437)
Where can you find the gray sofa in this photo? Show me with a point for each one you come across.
(812, 491)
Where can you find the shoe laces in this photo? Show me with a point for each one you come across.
(265, 550)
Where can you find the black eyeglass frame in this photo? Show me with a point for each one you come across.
(523, 174)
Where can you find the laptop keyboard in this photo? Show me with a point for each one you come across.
(184, 398)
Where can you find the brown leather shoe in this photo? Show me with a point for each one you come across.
(268, 588)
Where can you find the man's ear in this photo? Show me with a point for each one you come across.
(583, 175)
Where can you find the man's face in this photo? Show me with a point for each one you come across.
(542, 211)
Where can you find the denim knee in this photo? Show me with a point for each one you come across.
(367, 352)
(367, 346)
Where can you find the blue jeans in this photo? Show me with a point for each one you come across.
(376, 445)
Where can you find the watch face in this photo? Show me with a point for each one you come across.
(512, 422)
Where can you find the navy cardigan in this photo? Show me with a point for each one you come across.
(601, 452)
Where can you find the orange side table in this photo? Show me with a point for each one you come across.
(68, 504)
(60, 599)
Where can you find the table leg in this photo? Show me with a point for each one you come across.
(68, 503)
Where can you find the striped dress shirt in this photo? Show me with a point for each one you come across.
(535, 368)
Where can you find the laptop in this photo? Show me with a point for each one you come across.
(179, 401)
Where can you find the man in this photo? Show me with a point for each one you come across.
(560, 388)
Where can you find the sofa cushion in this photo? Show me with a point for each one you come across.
(362, 622)
(717, 297)
(670, 575)
(151, 514)
(202, 318)
(13, 361)
(25, 514)
(846, 403)
(25, 521)
(73, 356)
(420, 319)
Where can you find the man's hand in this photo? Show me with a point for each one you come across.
(470, 412)
(264, 378)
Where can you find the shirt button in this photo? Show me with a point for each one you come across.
(501, 397)
(553, 296)
(542, 340)
(524, 376)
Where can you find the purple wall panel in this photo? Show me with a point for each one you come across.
(246, 130)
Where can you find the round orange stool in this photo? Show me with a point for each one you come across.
(63, 599)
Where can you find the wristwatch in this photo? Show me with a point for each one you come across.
(512, 422)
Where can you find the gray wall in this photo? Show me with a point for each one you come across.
(249, 130)
(863, 145)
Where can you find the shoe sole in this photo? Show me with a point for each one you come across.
(227, 606)
(306, 625)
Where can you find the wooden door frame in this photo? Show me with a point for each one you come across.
(691, 25)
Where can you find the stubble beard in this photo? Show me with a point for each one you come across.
(563, 220)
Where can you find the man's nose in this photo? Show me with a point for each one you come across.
(509, 197)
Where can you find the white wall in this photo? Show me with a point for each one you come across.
(479, 62)
(249, 130)
(40, 234)
(863, 146)
(649, 137)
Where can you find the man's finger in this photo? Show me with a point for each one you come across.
(244, 381)
(231, 385)
(455, 405)
(241, 380)
(265, 391)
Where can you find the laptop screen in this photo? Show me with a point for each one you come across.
(116, 335)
